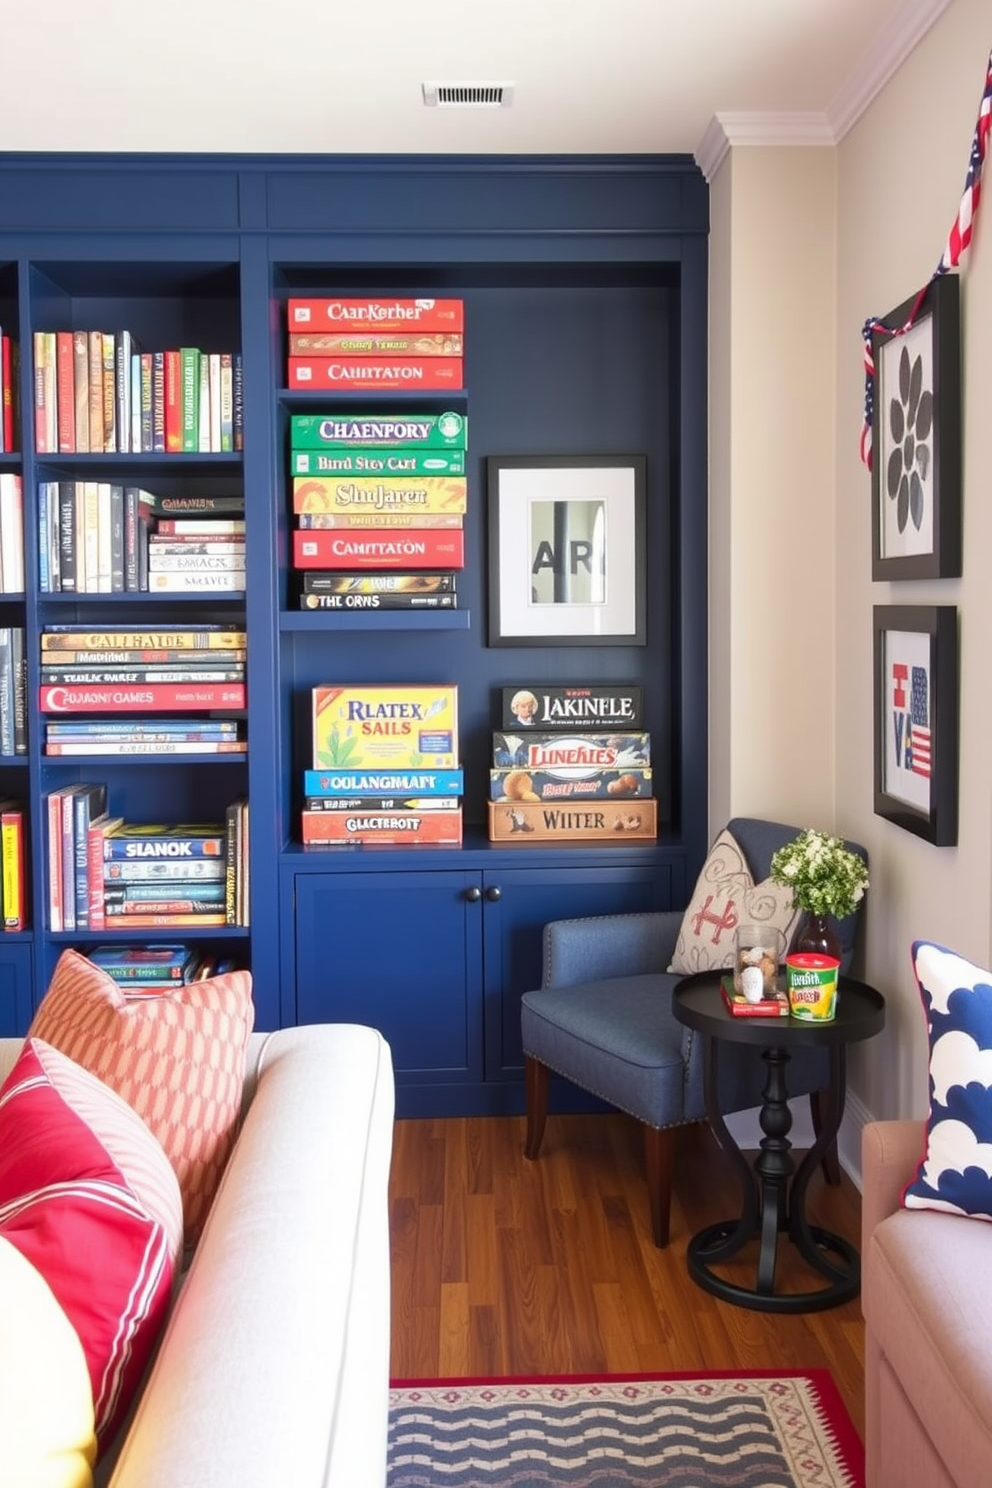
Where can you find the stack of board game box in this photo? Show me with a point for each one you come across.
(385, 767)
(396, 482)
(382, 344)
(571, 763)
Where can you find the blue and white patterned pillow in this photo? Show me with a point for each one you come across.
(955, 1173)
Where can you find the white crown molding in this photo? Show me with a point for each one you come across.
(883, 59)
(906, 28)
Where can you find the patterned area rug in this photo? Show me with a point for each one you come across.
(761, 1430)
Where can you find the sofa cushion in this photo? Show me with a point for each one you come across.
(726, 896)
(177, 1058)
(927, 1309)
(90, 1202)
(955, 1172)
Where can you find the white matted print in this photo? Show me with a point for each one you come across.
(566, 550)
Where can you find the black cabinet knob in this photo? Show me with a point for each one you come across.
(494, 894)
(473, 895)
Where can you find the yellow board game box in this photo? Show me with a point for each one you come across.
(369, 727)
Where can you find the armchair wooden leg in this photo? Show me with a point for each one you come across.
(659, 1151)
(537, 1078)
(830, 1163)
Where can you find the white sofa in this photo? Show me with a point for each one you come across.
(274, 1364)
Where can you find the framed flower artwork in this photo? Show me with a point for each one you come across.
(916, 437)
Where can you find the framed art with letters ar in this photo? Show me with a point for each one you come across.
(567, 554)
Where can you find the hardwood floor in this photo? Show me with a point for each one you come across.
(502, 1266)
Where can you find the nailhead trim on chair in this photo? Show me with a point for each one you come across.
(688, 1121)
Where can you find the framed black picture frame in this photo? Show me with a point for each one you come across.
(915, 672)
(567, 554)
(916, 438)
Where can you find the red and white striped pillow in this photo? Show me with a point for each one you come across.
(178, 1059)
(91, 1206)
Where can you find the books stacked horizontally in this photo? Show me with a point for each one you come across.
(155, 673)
(100, 392)
(571, 764)
(9, 373)
(379, 502)
(105, 873)
(385, 767)
(149, 970)
(387, 344)
(98, 537)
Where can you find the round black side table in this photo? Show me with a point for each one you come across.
(774, 1193)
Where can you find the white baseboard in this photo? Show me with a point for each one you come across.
(745, 1129)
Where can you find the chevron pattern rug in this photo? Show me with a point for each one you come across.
(784, 1430)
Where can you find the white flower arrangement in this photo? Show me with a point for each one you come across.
(824, 876)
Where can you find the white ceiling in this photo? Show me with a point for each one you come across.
(344, 76)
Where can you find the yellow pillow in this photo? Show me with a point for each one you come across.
(47, 1437)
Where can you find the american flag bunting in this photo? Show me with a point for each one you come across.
(958, 240)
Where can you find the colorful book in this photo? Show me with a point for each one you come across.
(161, 963)
(737, 1004)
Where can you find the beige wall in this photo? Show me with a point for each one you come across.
(805, 244)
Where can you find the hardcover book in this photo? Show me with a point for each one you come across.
(736, 1003)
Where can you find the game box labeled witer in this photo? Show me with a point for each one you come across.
(592, 821)
(370, 727)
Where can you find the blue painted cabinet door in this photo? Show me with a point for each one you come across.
(402, 952)
(519, 902)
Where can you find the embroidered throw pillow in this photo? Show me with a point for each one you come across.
(726, 896)
(955, 1172)
(90, 1238)
(177, 1058)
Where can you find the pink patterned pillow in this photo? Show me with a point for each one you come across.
(88, 1199)
(177, 1058)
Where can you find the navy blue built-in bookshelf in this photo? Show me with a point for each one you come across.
(584, 284)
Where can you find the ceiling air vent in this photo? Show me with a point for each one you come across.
(468, 95)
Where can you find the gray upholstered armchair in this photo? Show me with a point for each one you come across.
(603, 1019)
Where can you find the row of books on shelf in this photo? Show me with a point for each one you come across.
(193, 669)
(376, 533)
(98, 537)
(342, 344)
(106, 873)
(9, 374)
(101, 392)
(149, 970)
(11, 533)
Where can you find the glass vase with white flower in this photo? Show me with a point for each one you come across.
(828, 881)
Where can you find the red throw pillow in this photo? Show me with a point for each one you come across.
(177, 1058)
(88, 1198)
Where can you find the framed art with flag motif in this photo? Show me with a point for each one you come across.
(916, 719)
(916, 437)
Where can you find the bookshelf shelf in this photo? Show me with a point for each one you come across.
(584, 286)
